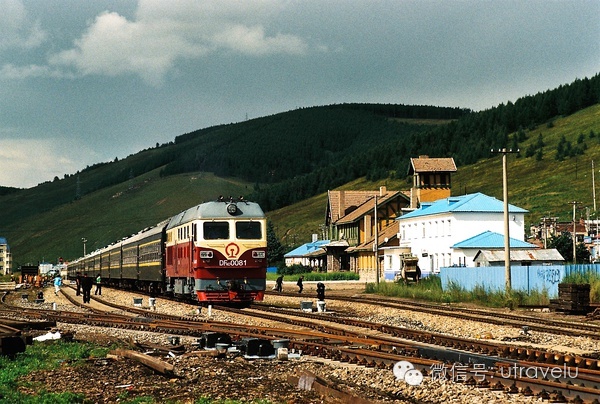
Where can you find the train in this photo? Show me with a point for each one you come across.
(214, 253)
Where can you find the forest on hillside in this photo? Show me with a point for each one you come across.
(466, 139)
(281, 147)
(295, 155)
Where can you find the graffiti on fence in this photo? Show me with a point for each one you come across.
(551, 275)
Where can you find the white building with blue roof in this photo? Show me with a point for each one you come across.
(488, 241)
(441, 233)
(310, 254)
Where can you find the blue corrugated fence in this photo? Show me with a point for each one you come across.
(526, 278)
(582, 268)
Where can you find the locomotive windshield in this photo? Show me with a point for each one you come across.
(216, 230)
(248, 230)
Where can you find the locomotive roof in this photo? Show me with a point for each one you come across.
(217, 210)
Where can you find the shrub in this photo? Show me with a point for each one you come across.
(293, 269)
(430, 289)
(331, 276)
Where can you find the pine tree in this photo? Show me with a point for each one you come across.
(275, 250)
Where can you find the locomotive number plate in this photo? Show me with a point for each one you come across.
(232, 263)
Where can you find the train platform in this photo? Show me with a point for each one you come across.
(68, 295)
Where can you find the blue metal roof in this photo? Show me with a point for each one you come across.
(306, 249)
(465, 203)
(490, 240)
(3, 240)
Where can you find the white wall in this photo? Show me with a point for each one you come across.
(431, 237)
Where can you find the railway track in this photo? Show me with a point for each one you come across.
(533, 323)
(353, 344)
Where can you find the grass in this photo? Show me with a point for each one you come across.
(48, 356)
(430, 289)
(593, 278)
(542, 187)
(317, 276)
(40, 356)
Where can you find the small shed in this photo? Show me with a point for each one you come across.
(528, 257)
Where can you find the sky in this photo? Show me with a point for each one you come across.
(87, 81)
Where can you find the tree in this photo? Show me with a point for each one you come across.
(564, 245)
(539, 155)
(275, 250)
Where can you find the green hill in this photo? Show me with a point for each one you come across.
(107, 215)
(545, 187)
(108, 201)
(288, 161)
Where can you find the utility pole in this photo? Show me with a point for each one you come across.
(507, 276)
(593, 186)
(544, 234)
(574, 203)
(376, 244)
(84, 240)
(548, 220)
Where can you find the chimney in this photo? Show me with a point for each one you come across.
(382, 190)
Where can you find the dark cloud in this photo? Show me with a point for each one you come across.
(94, 80)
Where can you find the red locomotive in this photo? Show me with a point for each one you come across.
(215, 251)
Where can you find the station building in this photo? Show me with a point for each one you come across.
(450, 231)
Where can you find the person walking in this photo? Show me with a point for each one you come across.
(279, 283)
(57, 284)
(98, 290)
(300, 284)
(86, 287)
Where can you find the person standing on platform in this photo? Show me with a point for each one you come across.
(78, 283)
(321, 291)
(98, 290)
(86, 286)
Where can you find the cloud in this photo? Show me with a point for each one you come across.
(163, 33)
(253, 41)
(25, 161)
(12, 72)
(16, 30)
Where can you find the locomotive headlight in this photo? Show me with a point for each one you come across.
(206, 255)
(258, 254)
(232, 208)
